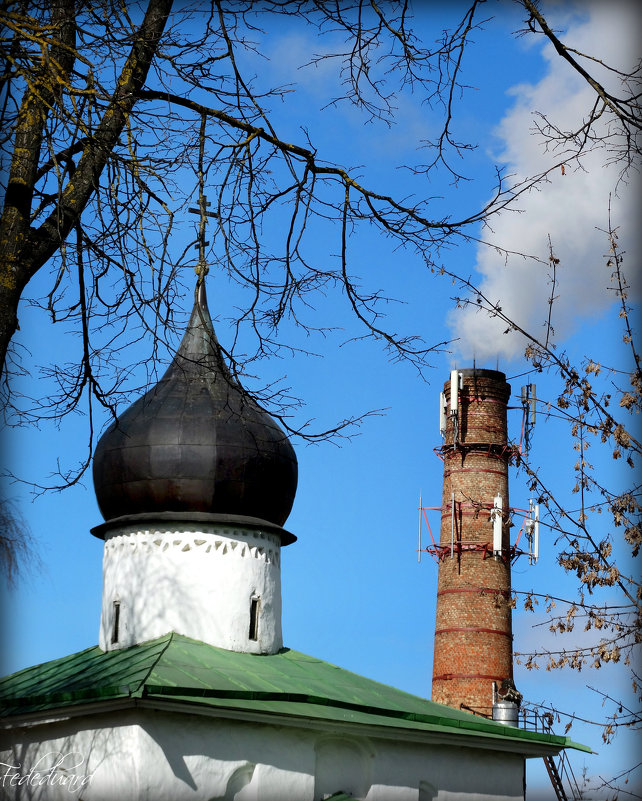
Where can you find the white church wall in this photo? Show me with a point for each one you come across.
(404, 771)
(342, 763)
(200, 581)
(148, 755)
(72, 759)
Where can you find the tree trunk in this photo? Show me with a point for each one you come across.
(24, 249)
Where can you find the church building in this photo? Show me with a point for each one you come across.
(190, 693)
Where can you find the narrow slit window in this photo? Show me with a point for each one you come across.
(254, 618)
(116, 622)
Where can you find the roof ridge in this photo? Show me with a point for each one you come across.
(139, 691)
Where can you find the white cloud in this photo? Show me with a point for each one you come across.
(570, 207)
(290, 54)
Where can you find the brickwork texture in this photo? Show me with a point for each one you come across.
(473, 634)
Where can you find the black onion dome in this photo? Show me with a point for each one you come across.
(196, 443)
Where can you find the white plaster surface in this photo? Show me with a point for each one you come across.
(152, 755)
(194, 580)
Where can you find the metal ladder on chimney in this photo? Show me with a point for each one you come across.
(556, 779)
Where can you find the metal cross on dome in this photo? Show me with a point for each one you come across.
(201, 268)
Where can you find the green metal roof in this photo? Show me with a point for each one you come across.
(177, 668)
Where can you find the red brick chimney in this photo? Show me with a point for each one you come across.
(473, 637)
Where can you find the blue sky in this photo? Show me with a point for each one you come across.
(353, 592)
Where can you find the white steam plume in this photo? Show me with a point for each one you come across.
(570, 207)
